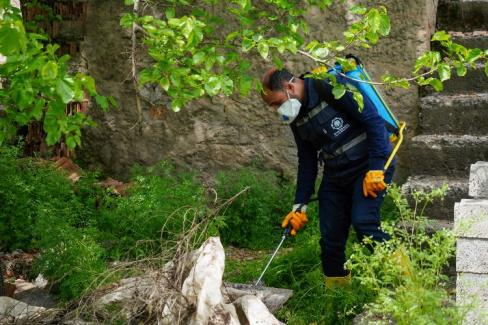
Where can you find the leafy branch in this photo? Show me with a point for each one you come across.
(199, 51)
(36, 84)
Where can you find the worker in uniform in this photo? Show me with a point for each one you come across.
(351, 144)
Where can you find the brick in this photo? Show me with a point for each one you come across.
(478, 180)
(472, 290)
(472, 255)
(471, 218)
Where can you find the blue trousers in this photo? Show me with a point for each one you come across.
(342, 204)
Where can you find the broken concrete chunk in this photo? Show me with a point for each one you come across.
(14, 310)
(273, 298)
(478, 180)
(253, 311)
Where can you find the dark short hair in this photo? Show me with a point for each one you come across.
(276, 79)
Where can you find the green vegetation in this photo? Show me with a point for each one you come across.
(80, 229)
(253, 219)
(380, 286)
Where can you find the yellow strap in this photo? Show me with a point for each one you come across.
(397, 146)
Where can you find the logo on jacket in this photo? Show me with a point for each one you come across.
(338, 126)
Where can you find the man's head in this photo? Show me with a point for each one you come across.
(279, 85)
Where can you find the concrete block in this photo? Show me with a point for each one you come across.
(478, 180)
(472, 293)
(471, 218)
(472, 255)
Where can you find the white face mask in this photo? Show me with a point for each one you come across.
(289, 110)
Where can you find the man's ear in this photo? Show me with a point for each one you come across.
(288, 86)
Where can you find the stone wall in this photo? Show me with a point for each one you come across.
(471, 224)
(220, 133)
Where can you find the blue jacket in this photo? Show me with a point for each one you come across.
(378, 144)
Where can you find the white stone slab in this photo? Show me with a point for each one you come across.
(478, 180)
(471, 218)
(472, 255)
(472, 293)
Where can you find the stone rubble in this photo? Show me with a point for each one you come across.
(202, 299)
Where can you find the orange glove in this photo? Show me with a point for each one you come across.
(297, 219)
(373, 182)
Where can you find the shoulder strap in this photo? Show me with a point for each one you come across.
(323, 92)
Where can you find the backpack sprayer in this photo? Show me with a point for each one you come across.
(359, 79)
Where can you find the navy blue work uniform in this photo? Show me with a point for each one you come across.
(349, 143)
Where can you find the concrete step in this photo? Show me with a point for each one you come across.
(454, 114)
(439, 209)
(474, 81)
(462, 15)
(446, 154)
(477, 39)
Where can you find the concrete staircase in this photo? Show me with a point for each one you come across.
(453, 125)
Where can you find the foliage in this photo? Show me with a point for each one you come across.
(42, 209)
(254, 217)
(36, 83)
(160, 206)
(79, 228)
(422, 291)
(216, 40)
(380, 285)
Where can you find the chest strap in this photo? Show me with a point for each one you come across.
(342, 149)
(312, 113)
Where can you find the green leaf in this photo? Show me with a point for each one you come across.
(403, 84)
(49, 71)
(170, 13)
(384, 25)
(129, 2)
(38, 109)
(145, 76)
(338, 91)
(112, 101)
(441, 36)
(263, 49)
(373, 19)
(12, 38)
(461, 69)
(213, 86)
(164, 83)
(198, 58)
(227, 86)
(89, 83)
(245, 85)
(64, 91)
(102, 101)
(71, 142)
(358, 97)
(321, 52)
(127, 20)
(436, 84)
(358, 10)
(444, 71)
(372, 37)
(473, 55)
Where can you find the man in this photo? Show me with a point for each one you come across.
(353, 146)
